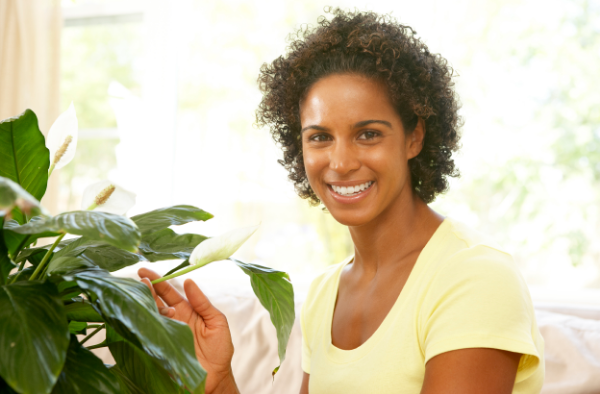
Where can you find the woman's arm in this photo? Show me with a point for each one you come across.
(471, 371)
(304, 387)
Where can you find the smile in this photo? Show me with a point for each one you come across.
(350, 191)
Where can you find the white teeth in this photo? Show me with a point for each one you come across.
(351, 190)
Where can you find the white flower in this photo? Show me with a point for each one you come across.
(221, 247)
(62, 139)
(105, 196)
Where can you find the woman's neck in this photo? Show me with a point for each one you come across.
(400, 231)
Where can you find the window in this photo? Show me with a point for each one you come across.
(181, 120)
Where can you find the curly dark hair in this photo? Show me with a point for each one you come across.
(376, 46)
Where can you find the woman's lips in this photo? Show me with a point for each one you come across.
(350, 199)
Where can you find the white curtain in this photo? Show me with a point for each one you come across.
(30, 63)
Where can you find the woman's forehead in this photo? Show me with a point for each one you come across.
(346, 98)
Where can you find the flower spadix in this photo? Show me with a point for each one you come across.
(106, 196)
(62, 139)
(214, 249)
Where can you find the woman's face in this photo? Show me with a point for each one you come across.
(355, 149)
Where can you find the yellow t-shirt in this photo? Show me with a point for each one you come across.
(463, 292)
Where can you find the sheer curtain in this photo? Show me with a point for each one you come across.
(30, 63)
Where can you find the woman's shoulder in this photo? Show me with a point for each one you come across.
(325, 282)
(467, 246)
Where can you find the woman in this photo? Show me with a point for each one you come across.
(367, 120)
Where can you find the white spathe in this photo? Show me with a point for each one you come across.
(119, 202)
(65, 125)
(220, 247)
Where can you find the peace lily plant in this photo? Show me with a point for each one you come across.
(54, 298)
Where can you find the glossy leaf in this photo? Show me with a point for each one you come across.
(12, 195)
(22, 275)
(77, 327)
(6, 265)
(26, 254)
(24, 158)
(127, 305)
(165, 244)
(275, 292)
(34, 336)
(83, 312)
(84, 373)
(113, 229)
(104, 256)
(159, 219)
(143, 374)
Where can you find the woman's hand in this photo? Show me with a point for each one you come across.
(212, 339)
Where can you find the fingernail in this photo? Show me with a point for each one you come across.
(165, 311)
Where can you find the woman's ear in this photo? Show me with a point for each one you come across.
(415, 139)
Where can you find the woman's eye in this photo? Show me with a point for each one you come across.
(319, 137)
(368, 135)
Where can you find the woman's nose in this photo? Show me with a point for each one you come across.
(343, 159)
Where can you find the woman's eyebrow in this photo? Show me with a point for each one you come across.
(314, 127)
(363, 123)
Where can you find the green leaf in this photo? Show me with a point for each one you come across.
(34, 336)
(16, 202)
(6, 265)
(113, 229)
(275, 292)
(15, 241)
(26, 254)
(158, 219)
(24, 157)
(166, 244)
(5, 388)
(77, 327)
(84, 373)
(127, 306)
(22, 275)
(83, 312)
(102, 255)
(13, 196)
(143, 373)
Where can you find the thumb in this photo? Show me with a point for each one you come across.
(199, 302)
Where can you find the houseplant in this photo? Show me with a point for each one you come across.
(51, 293)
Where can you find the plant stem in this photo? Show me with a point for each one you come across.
(176, 274)
(103, 344)
(91, 334)
(46, 257)
(50, 170)
(92, 207)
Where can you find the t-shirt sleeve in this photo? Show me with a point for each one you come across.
(480, 300)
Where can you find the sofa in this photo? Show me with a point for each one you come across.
(571, 334)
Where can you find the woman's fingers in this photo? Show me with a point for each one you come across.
(167, 311)
(159, 302)
(199, 302)
(165, 291)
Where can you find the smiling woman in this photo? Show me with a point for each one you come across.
(367, 120)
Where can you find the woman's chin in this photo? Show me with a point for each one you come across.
(350, 217)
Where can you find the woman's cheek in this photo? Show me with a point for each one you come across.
(313, 164)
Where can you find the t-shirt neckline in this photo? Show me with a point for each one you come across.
(338, 355)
